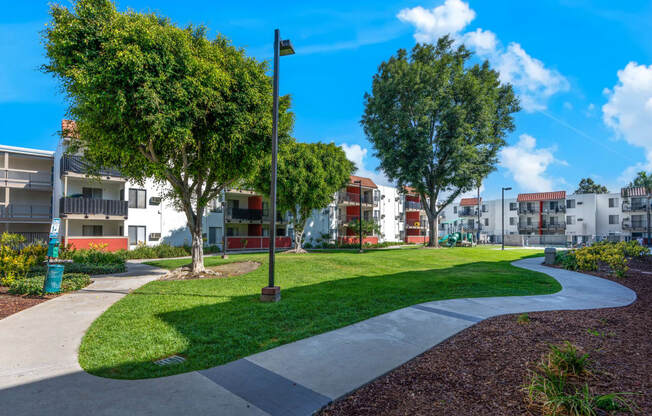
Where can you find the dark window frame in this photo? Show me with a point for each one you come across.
(144, 227)
(135, 202)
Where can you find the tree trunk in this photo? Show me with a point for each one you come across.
(298, 240)
(433, 232)
(197, 246)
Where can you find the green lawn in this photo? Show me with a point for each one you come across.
(212, 322)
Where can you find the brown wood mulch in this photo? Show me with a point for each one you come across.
(481, 370)
(10, 304)
(214, 272)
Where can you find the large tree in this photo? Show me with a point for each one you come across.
(644, 180)
(308, 176)
(159, 101)
(437, 123)
(588, 186)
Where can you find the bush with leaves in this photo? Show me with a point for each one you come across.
(34, 285)
(14, 264)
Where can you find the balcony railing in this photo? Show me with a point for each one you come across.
(78, 164)
(249, 214)
(31, 180)
(350, 197)
(413, 205)
(416, 224)
(557, 210)
(526, 210)
(638, 206)
(468, 212)
(25, 212)
(92, 206)
(351, 218)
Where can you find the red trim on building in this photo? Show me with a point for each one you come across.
(417, 239)
(113, 243)
(366, 182)
(540, 217)
(542, 196)
(356, 240)
(255, 243)
(469, 202)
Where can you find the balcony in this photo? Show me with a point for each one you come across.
(78, 165)
(92, 206)
(526, 210)
(468, 212)
(412, 205)
(353, 198)
(417, 224)
(19, 212)
(634, 206)
(247, 214)
(638, 225)
(556, 210)
(26, 180)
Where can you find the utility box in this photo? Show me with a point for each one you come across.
(551, 255)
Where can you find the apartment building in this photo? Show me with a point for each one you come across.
(26, 181)
(636, 207)
(359, 200)
(416, 219)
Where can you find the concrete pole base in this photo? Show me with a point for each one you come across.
(270, 294)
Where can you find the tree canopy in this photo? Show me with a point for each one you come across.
(588, 186)
(642, 179)
(308, 176)
(159, 101)
(436, 122)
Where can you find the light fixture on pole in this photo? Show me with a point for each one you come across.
(503, 209)
(272, 293)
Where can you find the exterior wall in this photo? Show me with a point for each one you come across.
(581, 220)
(390, 206)
(603, 228)
(112, 243)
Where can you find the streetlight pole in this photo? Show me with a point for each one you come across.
(477, 240)
(224, 208)
(503, 209)
(272, 293)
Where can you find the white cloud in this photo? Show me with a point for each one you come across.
(357, 154)
(449, 18)
(528, 165)
(533, 82)
(568, 105)
(628, 112)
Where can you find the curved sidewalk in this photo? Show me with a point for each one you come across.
(39, 373)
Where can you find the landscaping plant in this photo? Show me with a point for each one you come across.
(613, 255)
(558, 386)
(34, 285)
(14, 262)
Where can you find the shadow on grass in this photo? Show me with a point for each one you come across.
(227, 330)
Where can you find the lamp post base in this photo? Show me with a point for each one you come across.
(270, 294)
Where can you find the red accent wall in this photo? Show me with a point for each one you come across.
(412, 231)
(413, 198)
(414, 239)
(254, 230)
(540, 217)
(353, 189)
(412, 215)
(255, 202)
(356, 240)
(113, 244)
(253, 243)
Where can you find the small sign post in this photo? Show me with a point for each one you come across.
(52, 282)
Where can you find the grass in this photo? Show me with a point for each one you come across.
(215, 321)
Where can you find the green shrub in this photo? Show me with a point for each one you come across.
(98, 257)
(523, 318)
(84, 268)
(34, 285)
(567, 260)
(160, 251)
(614, 255)
(14, 263)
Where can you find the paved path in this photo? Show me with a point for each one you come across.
(39, 373)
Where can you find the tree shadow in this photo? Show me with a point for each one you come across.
(233, 328)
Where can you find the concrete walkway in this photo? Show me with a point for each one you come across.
(39, 373)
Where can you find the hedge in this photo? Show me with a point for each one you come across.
(34, 285)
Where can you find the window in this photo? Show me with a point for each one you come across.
(484, 208)
(265, 208)
(529, 220)
(553, 205)
(91, 230)
(553, 220)
(570, 203)
(137, 234)
(454, 210)
(613, 219)
(512, 220)
(570, 219)
(486, 221)
(93, 193)
(513, 206)
(212, 235)
(613, 202)
(137, 198)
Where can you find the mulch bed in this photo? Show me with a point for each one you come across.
(214, 272)
(481, 370)
(10, 304)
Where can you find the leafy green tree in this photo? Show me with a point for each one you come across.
(308, 176)
(368, 227)
(162, 102)
(588, 186)
(437, 123)
(644, 180)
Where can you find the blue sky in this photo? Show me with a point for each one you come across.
(582, 69)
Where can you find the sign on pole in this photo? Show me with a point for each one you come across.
(54, 228)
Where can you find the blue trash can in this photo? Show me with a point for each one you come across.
(53, 278)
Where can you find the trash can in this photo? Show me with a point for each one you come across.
(53, 278)
(551, 254)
